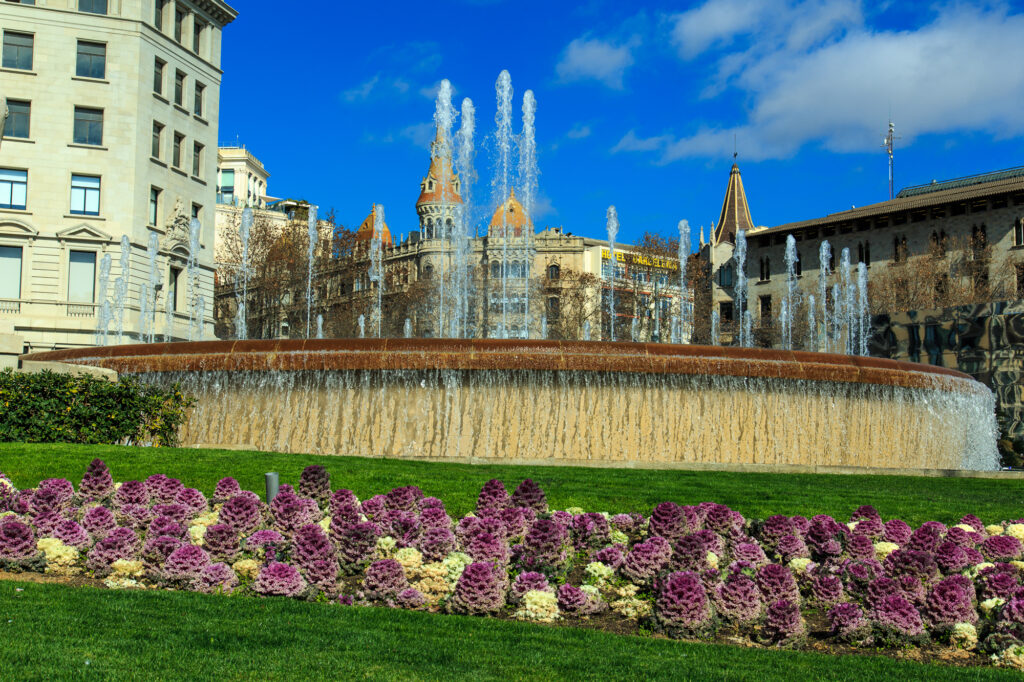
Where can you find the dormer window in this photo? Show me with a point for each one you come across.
(430, 186)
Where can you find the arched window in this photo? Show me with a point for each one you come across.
(495, 269)
(553, 308)
(553, 272)
(428, 271)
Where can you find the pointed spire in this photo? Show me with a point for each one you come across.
(735, 214)
(702, 236)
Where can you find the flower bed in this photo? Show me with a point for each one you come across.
(697, 572)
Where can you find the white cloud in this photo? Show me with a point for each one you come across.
(594, 59)
(815, 73)
(361, 92)
(420, 134)
(375, 86)
(578, 132)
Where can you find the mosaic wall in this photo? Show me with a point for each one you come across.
(985, 341)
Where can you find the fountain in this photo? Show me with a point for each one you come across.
(314, 235)
(103, 321)
(528, 179)
(824, 258)
(461, 268)
(195, 310)
(147, 299)
(503, 136)
(444, 118)
(740, 256)
(376, 274)
(319, 326)
(684, 321)
(863, 310)
(714, 327)
(789, 300)
(612, 219)
(242, 293)
(121, 286)
(407, 329)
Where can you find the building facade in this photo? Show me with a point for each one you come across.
(108, 149)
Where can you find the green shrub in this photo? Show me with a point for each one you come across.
(61, 408)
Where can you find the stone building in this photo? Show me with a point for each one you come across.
(111, 128)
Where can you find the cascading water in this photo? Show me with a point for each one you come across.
(407, 328)
(319, 326)
(845, 312)
(740, 257)
(714, 327)
(824, 258)
(612, 219)
(444, 118)
(748, 327)
(503, 136)
(528, 186)
(103, 321)
(633, 330)
(195, 309)
(376, 273)
(812, 328)
(467, 176)
(789, 301)
(147, 302)
(242, 293)
(586, 330)
(863, 310)
(684, 285)
(362, 326)
(314, 236)
(836, 331)
(121, 285)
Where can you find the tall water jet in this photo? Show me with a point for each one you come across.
(319, 326)
(612, 219)
(103, 320)
(444, 118)
(147, 301)
(407, 328)
(824, 259)
(242, 277)
(121, 285)
(195, 313)
(544, 327)
(528, 186)
(740, 257)
(789, 301)
(633, 330)
(467, 176)
(376, 273)
(314, 236)
(168, 316)
(684, 285)
(714, 327)
(586, 330)
(836, 329)
(812, 328)
(503, 119)
(748, 327)
(863, 310)
(362, 326)
(845, 311)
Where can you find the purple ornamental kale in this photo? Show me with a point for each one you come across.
(791, 547)
(775, 528)
(545, 543)
(824, 537)
(949, 603)
(262, 539)
(431, 503)
(480, 590)
(193, 500)
(827, 589)
(750, 552)
(410, 598)
(157, 549)
(517, 521)
(404, 499)
(97, 483)
(527, 581)
(574, 601)
(487, 547)
(997, 584)
(99, 521)
(562, 518)
(163, 489)
(178, 512)
(590, 530)
(344, 515)
(291, 512)
(373, 506)
(960, 537)
(625, 522)
(610, 556)
(493, 496)
(897, 613)
(738, 599)
(165, 525)
(783, 624)
(16, 541)
(860, 548)
(847, 622)
(865, 511)
(973, 556)
(668, 520)
(402, 525)
(800, 525)
(342, 498)
(315, 482)
(912, 589)
(357, 543)
(951, 557)
(120, 543)
(384, 579)
(917, 563)
(45, 523)
(897, 531)
(310, 544)
(221, 542)
(529, 494)
(215, 578)
(64, 489)
(242, 513)
(185, 564)
(225, 489)
(131, 492)
(720, 518)
(323, 574)
(45, 501)
(643, 563)
(71, 534)
(681, 605)
(927, 537)
(876, 591)
(870, 527)
(690, 553)
(278, 579)
(974, 522)
(776, 582)
(1001, 548)
(436, 543)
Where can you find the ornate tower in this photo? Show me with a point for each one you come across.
(436, 205)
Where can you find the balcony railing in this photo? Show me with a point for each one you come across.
(10, 306)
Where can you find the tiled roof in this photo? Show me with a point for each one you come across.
(365, 231)
(735, 214)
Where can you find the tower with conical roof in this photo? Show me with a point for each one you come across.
(735, 215)
(439, 191)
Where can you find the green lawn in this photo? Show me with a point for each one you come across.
(615, 490)
(58, 632)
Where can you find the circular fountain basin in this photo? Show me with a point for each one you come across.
(559, 402)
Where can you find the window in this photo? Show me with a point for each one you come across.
(1019, 268)
(726, 276)
(899, 249)
(554, 272)
(226, 187)
(82, 277)
(17, 52)
(10, 271)
(18, 120)
(428, 272)
(158, 15)
(197, 106)
(725, 311)
(495, 269)
(158, 77)
(158, 133)
(179, 22)
(172, 289)
(88, 126)
(798, 267)
(154, 205)
(766, 310)
(176, 153)
(197, 159)
(179, 88)
(1018, 229)
(197, 35)
(92, 60)
(13, 188)
(766, 269)
(553, 308)
(197, 211)
(93, 6)
(85, 195)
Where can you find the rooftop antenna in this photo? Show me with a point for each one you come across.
(887, 143)
(734, 152)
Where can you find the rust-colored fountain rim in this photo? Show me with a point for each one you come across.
(512, 354)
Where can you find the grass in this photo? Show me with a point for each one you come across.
(59, 632)
(756, 495)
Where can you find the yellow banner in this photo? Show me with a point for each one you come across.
(640, 259)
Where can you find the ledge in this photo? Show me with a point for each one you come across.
(157, 161)
(81, 216)
(157, 95)
(85, 79)
(182, 109)
(201, 119)
(78, 145)
(22, 140)
(22, 72)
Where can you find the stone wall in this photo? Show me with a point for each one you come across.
(985, 341)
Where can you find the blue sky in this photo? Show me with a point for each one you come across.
(637, 106)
